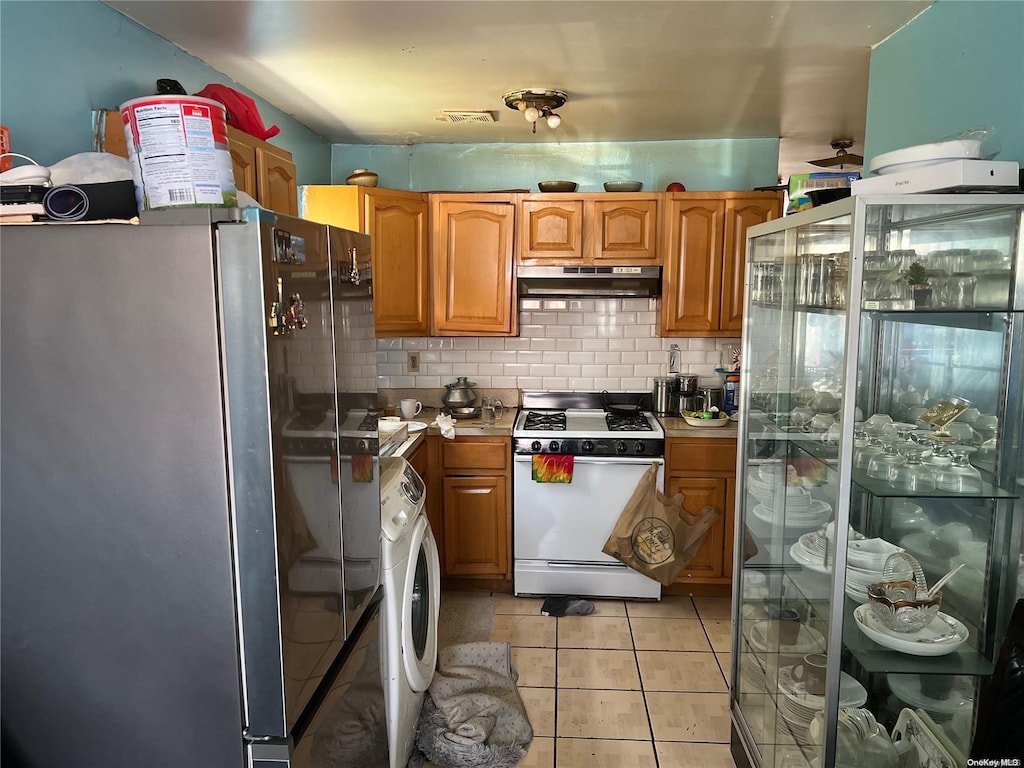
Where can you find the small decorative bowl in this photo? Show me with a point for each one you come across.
(623, 186)
(556, 186)
(896, 606)
(363, 178)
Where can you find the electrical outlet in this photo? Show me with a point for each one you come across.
(413, 363)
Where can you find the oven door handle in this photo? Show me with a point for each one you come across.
(596, 459)
(588, 564)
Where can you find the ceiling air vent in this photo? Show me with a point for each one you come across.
(466, 116)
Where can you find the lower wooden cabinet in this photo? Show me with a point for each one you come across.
(475, 530)
(704, 471)
(476, 499)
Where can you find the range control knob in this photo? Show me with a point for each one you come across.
(553, 446)
(535, 446)
(620, 446)
(588, 446)
(639, 447)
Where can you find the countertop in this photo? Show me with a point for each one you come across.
(676, 426)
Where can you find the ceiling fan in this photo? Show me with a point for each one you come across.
(842, 157)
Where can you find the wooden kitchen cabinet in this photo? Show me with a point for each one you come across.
(399, 228)
(573, 229)
(704, 252)
(472, 265)
(704, 471)
(476, 490)
(264, 171)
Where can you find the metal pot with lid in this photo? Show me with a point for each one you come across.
(460, 393)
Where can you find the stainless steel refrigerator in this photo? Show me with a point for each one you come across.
(190, 490)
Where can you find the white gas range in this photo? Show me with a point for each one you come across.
(602, 444)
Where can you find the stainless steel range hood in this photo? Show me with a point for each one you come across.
(600, 282)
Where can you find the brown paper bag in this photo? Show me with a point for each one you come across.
(654, 535)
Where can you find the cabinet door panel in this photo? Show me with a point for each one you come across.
(474, 276)
(398, 228)
(475, 526)
(551, 231)
(243, 164)
(699, 492)
(740, 214)
(693, 277)
(277, 183)
(625, 231)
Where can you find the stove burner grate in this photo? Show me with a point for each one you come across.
(627, 423)
(552, 421)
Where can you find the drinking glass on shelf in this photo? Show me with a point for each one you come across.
(959, 476)
(913, 475)
(882, 464)
(958, 291)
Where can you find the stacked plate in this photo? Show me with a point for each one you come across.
(798, 707)
(959, 699)
(796, 509)
(809, 640)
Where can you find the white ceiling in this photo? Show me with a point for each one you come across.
(380, 72)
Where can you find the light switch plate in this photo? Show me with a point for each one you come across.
(413, 364)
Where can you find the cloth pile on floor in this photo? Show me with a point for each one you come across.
(473, 716)
(566, 606)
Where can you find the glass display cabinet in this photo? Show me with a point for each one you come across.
(880, 447)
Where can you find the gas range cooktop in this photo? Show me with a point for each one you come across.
(579, 424)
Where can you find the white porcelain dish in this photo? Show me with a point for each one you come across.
(871, 553)
(809, 640)
(907, 689)
(920, 643)
(851, 692)
(923, 155)
(820, 514)
(415, 426)
(806, 560)
(930, 747)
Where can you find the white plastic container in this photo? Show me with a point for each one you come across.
(178, 149)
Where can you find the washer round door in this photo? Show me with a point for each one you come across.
(421, 601)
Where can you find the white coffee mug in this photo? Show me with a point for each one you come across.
(411, 407)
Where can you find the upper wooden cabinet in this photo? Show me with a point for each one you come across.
(398, 225)
(264, 171)
(564, 229)
(472, 265)
(705, 250)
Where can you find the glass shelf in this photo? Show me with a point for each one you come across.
(882, 489)
(873, 657)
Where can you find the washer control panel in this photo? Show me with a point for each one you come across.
(401, 496)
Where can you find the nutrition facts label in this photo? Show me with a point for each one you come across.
(175, 151)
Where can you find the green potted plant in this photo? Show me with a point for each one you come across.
(917, 277)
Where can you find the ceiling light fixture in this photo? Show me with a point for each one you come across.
(537, 103)
(842, 158)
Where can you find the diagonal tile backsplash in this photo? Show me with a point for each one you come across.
(563, 344)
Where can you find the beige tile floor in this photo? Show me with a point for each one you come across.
(633, 685)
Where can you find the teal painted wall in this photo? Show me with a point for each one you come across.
(959, 65)
(700, 165)
(61, 60)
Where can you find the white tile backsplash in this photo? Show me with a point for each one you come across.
(577, 344)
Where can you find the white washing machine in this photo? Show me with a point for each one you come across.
(411, 574)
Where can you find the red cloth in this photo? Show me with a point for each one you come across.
(241, 110)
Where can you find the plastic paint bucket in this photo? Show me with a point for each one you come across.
(178, 150)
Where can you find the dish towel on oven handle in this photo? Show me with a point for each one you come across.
(551, 468)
